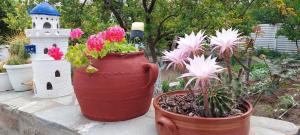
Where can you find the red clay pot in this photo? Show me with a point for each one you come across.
(121, 89)
(168, 123)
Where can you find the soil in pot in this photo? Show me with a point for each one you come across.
(177, 113)
(121, 89)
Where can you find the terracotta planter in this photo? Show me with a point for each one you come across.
(168, 123)
(121, 89)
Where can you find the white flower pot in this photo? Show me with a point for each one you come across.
(20, 76)
(3, 52)
(4, 82)
(52, 78)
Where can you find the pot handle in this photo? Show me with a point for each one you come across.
(153, 73)
(166, 126)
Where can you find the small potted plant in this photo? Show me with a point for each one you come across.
(18, 64)
(112, 79)
(214, 105)
(4, 81)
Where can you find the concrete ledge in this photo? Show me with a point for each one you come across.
(22, 114)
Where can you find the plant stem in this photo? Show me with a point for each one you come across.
(228, 65)
(204, 87)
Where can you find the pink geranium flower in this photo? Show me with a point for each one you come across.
(114, 34)
(76, 33)
(95, 42)
(202, 69)
(191, 43)
(55, 53)
(175, 57)
(226, 40)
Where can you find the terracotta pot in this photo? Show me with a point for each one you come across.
(121, 89)
(168, 123)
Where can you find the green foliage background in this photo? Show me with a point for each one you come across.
(168, 18)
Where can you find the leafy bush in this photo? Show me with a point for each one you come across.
(286, 101)
(259, 71)
(268, 52)
(165, 86)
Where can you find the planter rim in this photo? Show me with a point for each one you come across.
(17, 66)
(126, 54)
(39, 60)
(156, 106)
(3, 73)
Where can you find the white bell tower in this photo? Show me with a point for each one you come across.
(52, 78)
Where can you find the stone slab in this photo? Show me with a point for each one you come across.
(23, 114)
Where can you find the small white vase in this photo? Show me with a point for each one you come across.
(4, 82)
(20, 76)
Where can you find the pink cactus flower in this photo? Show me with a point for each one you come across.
(226, 40)
(114, 34)
(191, 43)
(176, 58)
(95, 42)
(55, 53)
(201, 69)
(76, 33)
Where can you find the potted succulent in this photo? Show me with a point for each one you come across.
(113, 80)
(214, 105)
(18, 64)
(4, 81)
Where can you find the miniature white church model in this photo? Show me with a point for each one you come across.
(52, 78)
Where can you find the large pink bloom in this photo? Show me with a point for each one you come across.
(191, 43)
(76, 33)
(225, 40)
(175, 57)
(95, 42)
(201, 69)
(114, 34)
(55, 53)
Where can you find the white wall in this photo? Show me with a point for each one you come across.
(269, 39)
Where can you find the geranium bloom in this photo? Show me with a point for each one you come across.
(202, 69)
(55, 53)
(114, 34)
(175, 57)
(191, 43)
(95, 42)
(76, 33)
(225, 40)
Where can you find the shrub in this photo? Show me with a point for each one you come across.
(268, 52)
(17, 51)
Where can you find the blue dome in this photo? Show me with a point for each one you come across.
(44, 8)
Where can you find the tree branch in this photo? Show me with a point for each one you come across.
(151, 7)
(145, 6)
(108, 4)
(238, 61)
(247, 8)
(159, 35)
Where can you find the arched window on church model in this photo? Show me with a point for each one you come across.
(46, 51)
(57, 73)
(33, 25)
(49, 86)
(47, 25)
